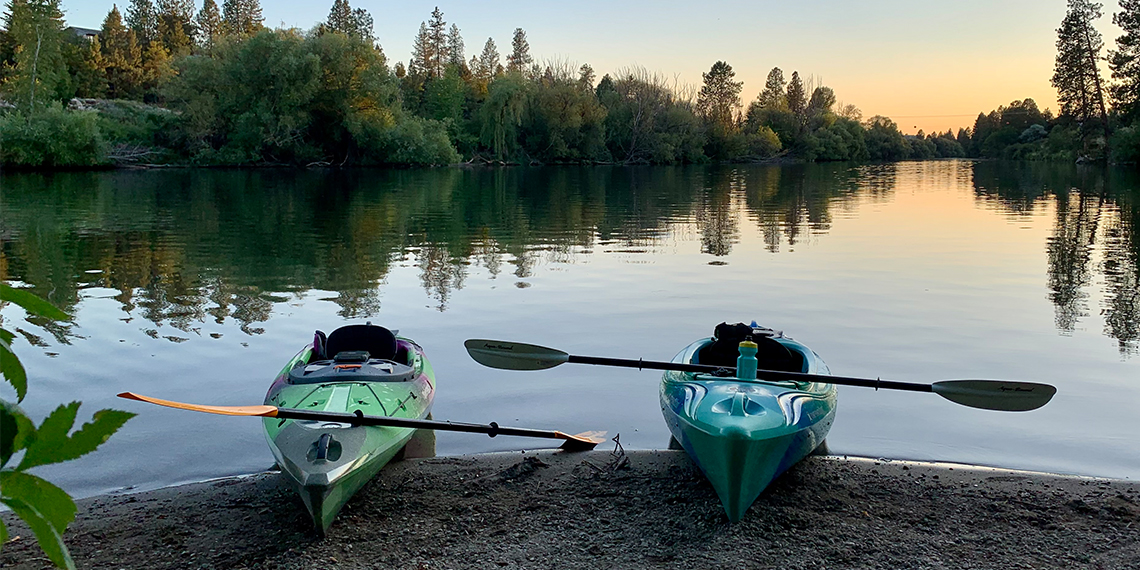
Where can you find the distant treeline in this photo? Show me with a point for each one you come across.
(167, 83)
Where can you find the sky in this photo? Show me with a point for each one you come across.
(927, 65)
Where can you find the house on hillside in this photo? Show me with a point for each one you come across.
(85, 33)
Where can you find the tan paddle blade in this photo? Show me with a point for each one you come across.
(584, 441)
(268, 411)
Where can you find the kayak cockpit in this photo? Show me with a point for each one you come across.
(772, 354)
(356, 353)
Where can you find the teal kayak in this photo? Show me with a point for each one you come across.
(363, 368)
(743, 433)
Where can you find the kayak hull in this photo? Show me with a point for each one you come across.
(328, 462)
(745, 434)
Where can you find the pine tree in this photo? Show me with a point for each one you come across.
(241, 17)
(90, 77)
(586, 76)
(422, 55)
(437, 41)
(520, 59)
(1125, 60)
(176, 27)
(488, 61)
(1076, 74)
(209, 24)
(142, 17)
(719, 97)
(122, 56)
(455, 47)
(340, 17)
(797, 98)
(156, 67)
(36, 28)
(774, 95)
(362, 25)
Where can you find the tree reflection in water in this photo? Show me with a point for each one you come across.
(176, 248)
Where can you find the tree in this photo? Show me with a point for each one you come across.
(142, 17)
(89, 74)
(437, 44)
(774, 95)
(484, 67)
(586, 77)
(822, 100)
(455, 55)
(719, 97)
(520, 59)
(797, 98)
(209, 24)
(241, 17)
(422, 55)
(340, 17)
(176, 26)
(1076, 74)
(122, 56)
(36, 28)
(1124, 61)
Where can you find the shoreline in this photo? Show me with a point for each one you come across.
(640, 509)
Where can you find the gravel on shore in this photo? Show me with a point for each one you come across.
(642, 509)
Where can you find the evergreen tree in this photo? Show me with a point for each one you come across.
(1125, 60)
(176, 27)
(485, 67)
(122, 57)
(241, 17)
(363, 25)
(142, 17)
(586, 76)
(209, 24)
(89, 77)
(340, 18)
(36, 28)
(797, 98)
(437, 44)
(422, 55)
(520, 59)
(719, 97)
(1076, 74)
(455, 48)
(156, 68)
(774, 95)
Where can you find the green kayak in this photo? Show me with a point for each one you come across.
(358, 367)
(743, 433)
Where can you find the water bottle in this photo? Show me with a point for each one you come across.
(746, 362)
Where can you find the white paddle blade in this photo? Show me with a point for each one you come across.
(514, 355)
(996, 394)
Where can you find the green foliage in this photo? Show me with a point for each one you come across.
(1125, 144)
(763, 142)
(884, 140)
(646, 122)
(45, 508)
(40, 75)
(563, 122)
(51, 137)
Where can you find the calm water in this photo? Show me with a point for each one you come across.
(199, 285)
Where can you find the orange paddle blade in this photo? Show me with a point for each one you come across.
(268, 411)
(581, 442)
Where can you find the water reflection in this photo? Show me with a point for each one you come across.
(178, 248)
(1093, 241)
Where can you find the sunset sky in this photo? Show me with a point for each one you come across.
(927, 65)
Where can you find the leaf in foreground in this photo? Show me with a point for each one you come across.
(15, 428)
(31, 303)
(46, 509)
(53, 445)
(10, 366)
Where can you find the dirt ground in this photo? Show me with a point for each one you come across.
(648, 509)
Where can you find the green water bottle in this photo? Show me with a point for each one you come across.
(746, 362)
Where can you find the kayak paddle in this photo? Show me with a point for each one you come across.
(1001, 395)
(580, 442)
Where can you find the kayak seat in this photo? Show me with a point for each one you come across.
(770, 355)
(378, 341)
(404, 352)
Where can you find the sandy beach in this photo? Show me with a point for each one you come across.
(643, 509)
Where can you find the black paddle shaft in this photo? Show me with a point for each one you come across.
(492, 429)
(762, 374)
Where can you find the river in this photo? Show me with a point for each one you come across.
(198, 285)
